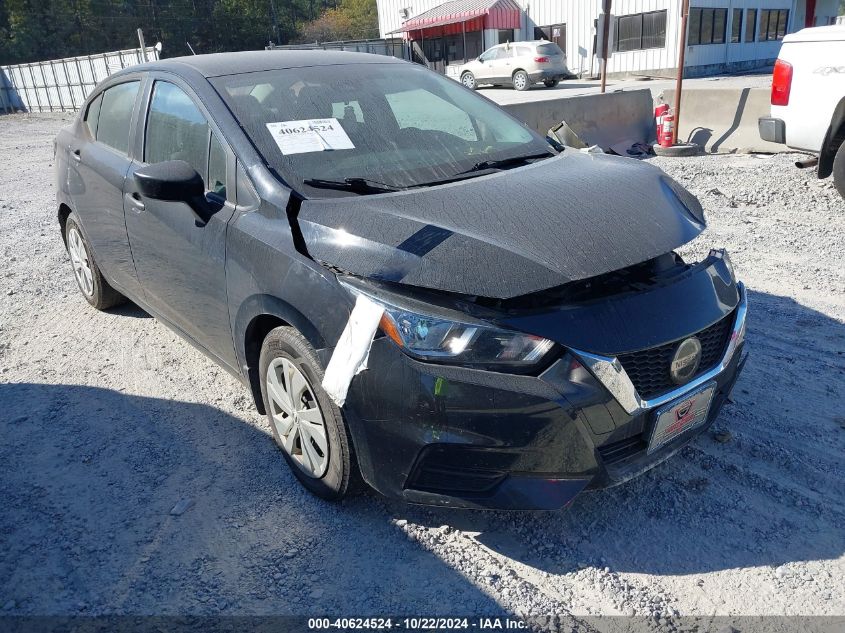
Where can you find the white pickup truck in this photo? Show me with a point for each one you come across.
(808, 98)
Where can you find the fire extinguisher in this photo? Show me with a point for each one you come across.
(665, 138)
(659, 112)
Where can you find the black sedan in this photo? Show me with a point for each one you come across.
(421, 293)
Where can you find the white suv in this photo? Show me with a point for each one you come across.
(808, 98)
(518, 64)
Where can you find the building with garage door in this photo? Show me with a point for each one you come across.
(723, 35)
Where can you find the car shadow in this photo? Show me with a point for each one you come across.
(768, 492)
(120, 504)
(130, 309)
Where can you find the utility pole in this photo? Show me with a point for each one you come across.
(682, 49)
(143, 46)
(605, 27)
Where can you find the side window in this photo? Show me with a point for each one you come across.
(489, 54)
(176, 129)
(115, 115)
(216, 182)
(503, 53)
(416, 108)
(93, 114)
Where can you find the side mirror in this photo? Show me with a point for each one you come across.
(171, 180)
(176, 181)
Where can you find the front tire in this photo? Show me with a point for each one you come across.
(551, 83)
(307, 426)
(468, 80)
(839, 170)
(521, 81)
(89, 278)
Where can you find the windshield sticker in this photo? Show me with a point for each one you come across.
(309, 135)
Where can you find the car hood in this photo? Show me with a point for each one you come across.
(510, 233)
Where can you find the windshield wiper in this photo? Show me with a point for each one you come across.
(505, 162)
(355, 185)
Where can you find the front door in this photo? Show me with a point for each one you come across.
(181, 260)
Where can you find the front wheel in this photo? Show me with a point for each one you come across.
(468, 80)
(305, 423)
(551, 83)
(521, 81)
(839, 170)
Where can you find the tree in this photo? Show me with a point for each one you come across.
(36, 30)
(351, 20)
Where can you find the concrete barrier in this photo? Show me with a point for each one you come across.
(598, 119)
(724, 120)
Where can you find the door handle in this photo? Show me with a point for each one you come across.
(76, 154)
(135, 200)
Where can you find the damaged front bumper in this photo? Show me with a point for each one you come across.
(461, 437)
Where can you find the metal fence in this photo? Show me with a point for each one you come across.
(391, 47)
(61, 85)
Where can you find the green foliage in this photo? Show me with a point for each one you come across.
(351, 20)
(35, 30)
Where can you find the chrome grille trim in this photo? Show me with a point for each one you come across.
(610, 372)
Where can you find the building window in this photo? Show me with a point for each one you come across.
(640, 31)
(736, 26)
(750, 24)
(707, 26)
(505, 36)
(773, 24)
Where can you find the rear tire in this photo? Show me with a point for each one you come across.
(551, 83)
(89, 279)
(839, 170)
(521, 81)
(468, 80)
(322, 460)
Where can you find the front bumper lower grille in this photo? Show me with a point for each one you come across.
(649, 369)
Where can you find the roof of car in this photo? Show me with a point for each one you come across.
(218, 64)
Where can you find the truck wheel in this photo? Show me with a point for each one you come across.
(839, 170)
(89, 279)
(306, 424)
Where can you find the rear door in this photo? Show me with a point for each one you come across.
(99, 162)
(180, 260)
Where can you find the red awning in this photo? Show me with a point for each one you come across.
(497, 14)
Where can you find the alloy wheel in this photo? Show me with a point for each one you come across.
(297, 417)
(81, 264)
(469, 80)
(519, 81)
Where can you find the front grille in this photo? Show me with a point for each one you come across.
(649, 368)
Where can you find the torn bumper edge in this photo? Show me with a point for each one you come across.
(353, 348)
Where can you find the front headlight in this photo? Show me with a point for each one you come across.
(438, 338)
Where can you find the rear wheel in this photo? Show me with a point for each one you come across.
(305, 423)
(468, 80)
(551, 83)
(521, 81)
(839, 170)
(89, 279)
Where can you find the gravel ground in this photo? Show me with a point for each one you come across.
(111, 425)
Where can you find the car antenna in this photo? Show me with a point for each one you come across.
(190, 48)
